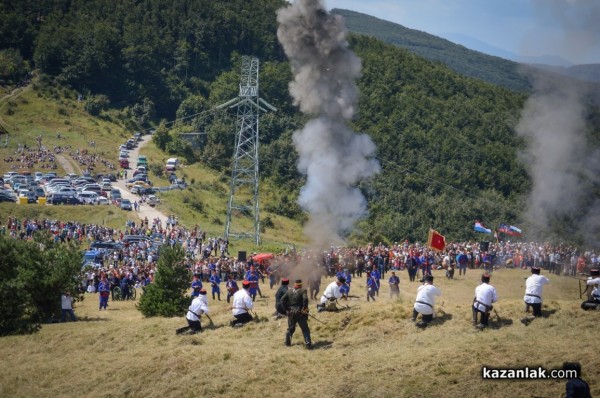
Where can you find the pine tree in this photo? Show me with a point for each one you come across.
(166, 296)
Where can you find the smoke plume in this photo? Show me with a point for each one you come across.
(331, 155)
(578, 22)
(562, 161)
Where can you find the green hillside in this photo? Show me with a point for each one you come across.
(467, 62)
(446, 142)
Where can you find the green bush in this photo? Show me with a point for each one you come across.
(33, 275)
(96, 104)
(167, 295)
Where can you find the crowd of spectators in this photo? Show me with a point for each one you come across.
(39, 157)
(89, 160)
(136, 260)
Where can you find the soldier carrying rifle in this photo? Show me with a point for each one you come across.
(295, 303)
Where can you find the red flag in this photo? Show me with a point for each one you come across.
(436, 240)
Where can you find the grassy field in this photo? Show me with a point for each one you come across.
(47, 111)
(369, 350)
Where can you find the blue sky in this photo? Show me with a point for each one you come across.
(566, 28)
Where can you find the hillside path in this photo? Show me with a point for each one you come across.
(143, 210)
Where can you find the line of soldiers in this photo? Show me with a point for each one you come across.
(293, 302)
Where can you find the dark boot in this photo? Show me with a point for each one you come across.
(288, 339)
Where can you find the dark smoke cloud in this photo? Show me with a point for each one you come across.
(331, 155)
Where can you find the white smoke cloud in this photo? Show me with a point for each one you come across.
(561, 160)
(554, 126)
(331, 155)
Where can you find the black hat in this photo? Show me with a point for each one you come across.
(535, 270)
(485, 278)
(341, 279)
(202, 291)
(298, 283)
(428, 278)
(594, 272)
(285, 281)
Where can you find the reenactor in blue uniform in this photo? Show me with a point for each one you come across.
(215, 281)
(279, 311)
(231, 287)
(196, 286)
(394, 282)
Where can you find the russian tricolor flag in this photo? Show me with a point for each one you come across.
(479, 227)
(514, 231)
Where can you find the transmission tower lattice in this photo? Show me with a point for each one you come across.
(243, 196)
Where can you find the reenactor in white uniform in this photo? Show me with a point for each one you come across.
(485, 296)
(425, 301)
(534, 286)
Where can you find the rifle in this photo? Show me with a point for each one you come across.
(581, 292)
(313, 317)
(497, 316)
(351, 296)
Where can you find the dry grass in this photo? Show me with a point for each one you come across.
(370, 350)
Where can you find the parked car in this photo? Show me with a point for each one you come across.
(88, 198)
(25, 193)
(7, 196)
(138, 185)
(39, 192)
(101, 200)
(114, 194)
(126, 204)
(142, 161)
(59, 198)
(143, 178)
(153, 200)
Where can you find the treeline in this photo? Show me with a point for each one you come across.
(163, 50)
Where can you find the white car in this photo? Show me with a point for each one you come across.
(153, 200)
(88, 198)
(66, 189)
(101, 200)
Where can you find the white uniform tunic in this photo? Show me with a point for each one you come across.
(534, 286)
(242, 302)
(484, 294)
(426, 294)
(332, 291)
(596, 291)
(199, 306)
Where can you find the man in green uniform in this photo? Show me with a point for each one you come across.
(295, 303)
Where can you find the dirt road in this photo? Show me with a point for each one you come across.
(144, 210)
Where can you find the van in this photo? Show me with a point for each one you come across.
(172, 164)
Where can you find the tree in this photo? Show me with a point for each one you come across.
(167, 295)
(32, 277)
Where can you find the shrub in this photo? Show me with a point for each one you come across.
(167, 295)
(96, 104)
(32, 277)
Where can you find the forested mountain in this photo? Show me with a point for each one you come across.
(488, 68)
(163, 50)
(446, 142)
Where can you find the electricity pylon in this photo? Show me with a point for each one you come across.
(244, 171)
